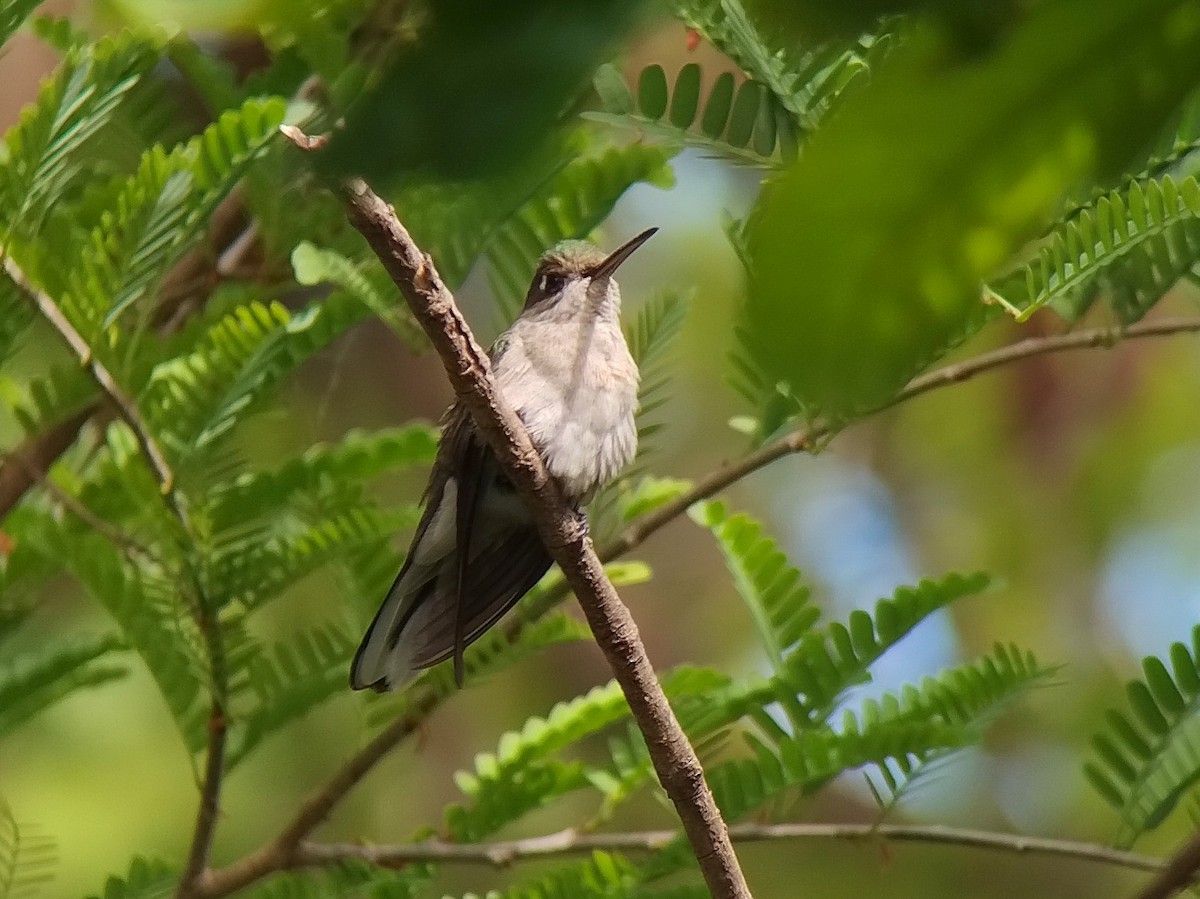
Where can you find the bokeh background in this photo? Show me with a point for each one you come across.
(1072, 478)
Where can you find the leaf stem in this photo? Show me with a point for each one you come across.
(125, 406)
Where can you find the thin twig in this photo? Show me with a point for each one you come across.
(126, 407)
(571, 842)
(27, 462)
(804, 439)
(281, 853)
(563, 530)
(177, 299)
(209, 807)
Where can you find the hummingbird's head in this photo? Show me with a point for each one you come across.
(579, 274)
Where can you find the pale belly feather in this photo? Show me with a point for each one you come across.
(577, 397)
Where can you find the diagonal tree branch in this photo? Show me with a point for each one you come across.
(503, 853)
(1178, 872)
(562, 529)
(29, 461)
(126, 543)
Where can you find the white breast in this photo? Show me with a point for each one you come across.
(574, 385)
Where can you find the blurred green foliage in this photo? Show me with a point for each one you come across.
(921, 174)
(480, 90)
(879, 237)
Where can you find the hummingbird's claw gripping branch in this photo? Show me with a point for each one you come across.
(469, 371)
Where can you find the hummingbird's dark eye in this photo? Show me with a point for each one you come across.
(552, 284)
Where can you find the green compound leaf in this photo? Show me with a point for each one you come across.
(1146, 759)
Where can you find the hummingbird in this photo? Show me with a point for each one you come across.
(564, 367)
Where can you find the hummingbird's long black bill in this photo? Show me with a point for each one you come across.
(620, 254)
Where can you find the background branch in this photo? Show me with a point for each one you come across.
(284, 852)
(30, 460)
(804, 439)
(562, 529)
(570, 842)
(126, 543)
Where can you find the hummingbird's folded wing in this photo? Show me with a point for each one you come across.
(476, 552)
(380, 662)
(496, 578)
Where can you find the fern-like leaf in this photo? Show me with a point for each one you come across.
(348, 878)
(807, 761)
(818, 670)
(967, 697)
(253, 571)
(197, 398)
(648, 494)
(27, 858)
(603, 874)
(367, 282)
(46, 400)
(772, 402)
(286, 682)
(1147, 758)
(32, 683)
(823, 667)
(357, 457)
(43, 151)
(159, 211)
(13, 14)
(193, 394)
(771, 588)
(152, 620)
(491, 653)
(650, 336)
(494, 785)
(523, 774)
(60, 33)
(744, 124)
(1135, 242)
(146, 879)
(813, 670)
(803, 86)
(16, 314)
(495, 652)
(727, 25)
(893, 736)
